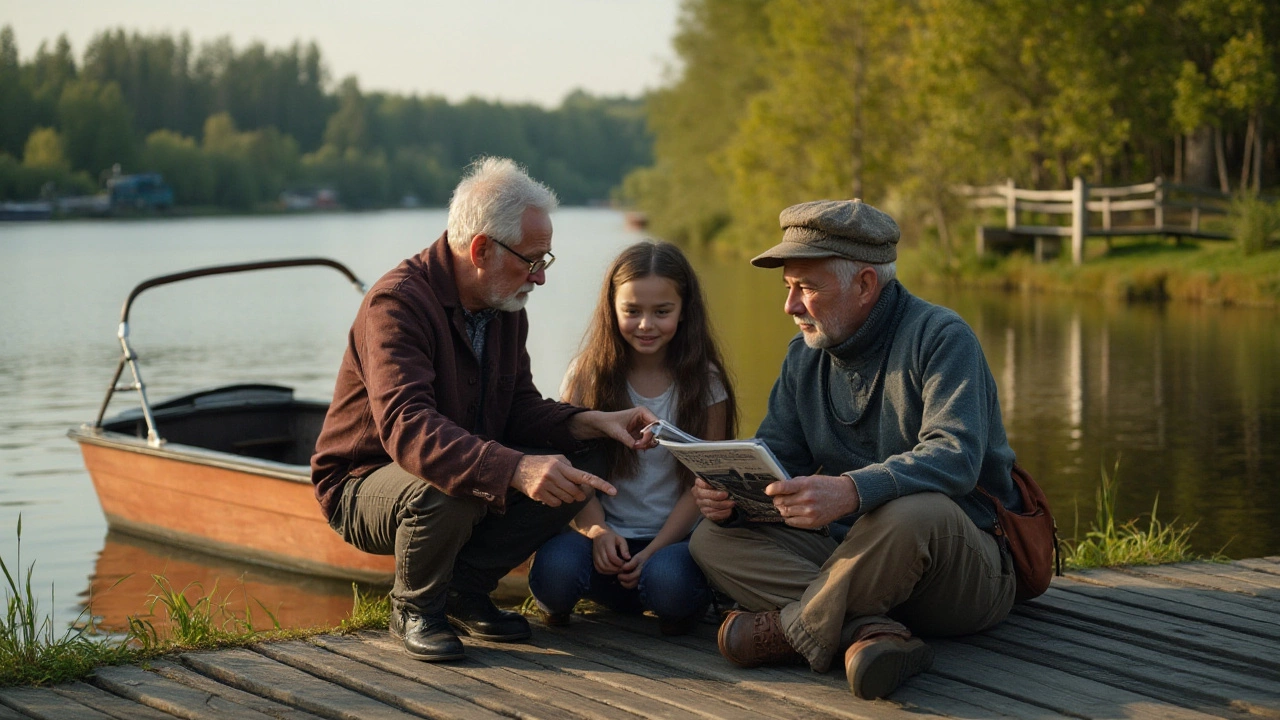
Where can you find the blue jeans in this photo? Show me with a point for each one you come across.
(671, 584)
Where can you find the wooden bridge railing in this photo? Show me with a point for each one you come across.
(1153, 208)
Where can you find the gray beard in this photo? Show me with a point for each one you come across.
(514, 302)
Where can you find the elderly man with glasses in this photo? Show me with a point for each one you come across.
(438, 447)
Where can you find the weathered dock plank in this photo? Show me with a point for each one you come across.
(739, 701)
(1185, 642)
(495, 688)
(191, 678)
(109, 703)
(1172, 603)
(8, 713)
(33, 703)
(697, 655)
(155, 691)
(378, 684)
(1199, 676)
(1203, 577)
(263, 676)
(1047, 686)
(1172, 630)
(1201, 604)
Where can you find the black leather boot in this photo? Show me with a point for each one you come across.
(477, 616)
(425, 637)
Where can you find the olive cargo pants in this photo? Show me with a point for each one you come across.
(918, 560)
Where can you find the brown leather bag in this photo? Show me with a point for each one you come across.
(1031, 536)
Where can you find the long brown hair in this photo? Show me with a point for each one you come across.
(599, 379)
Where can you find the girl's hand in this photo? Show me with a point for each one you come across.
(629, 576)
(609, 552)
(714, 505)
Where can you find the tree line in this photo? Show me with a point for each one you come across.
(235, 128)
(782, 101)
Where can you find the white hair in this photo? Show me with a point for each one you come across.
(491, 199)
(845, 270)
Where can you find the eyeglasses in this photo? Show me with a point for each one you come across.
(534, 265)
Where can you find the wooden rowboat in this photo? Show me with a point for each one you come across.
(224, 471)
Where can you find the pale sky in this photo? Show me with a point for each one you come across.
(511, 50)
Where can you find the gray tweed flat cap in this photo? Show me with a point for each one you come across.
(833, 228)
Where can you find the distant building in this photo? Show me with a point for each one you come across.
(144, 191)
(309, 199)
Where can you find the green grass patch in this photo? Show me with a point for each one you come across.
(1135, 268)
(33, 652)
(1109, 543)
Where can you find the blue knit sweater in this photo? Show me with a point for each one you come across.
(906, 405)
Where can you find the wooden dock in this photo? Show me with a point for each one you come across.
(1180, 641)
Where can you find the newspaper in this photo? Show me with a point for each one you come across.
(741, 468)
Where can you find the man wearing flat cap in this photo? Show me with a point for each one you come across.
(885, 415)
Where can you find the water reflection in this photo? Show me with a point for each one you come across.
(124, 584)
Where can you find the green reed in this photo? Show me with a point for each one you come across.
(32, 652)
(205, 621)
(1109, 543)
(368, 610)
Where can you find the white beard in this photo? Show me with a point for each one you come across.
(514, 302)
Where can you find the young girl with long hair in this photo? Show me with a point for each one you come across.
(649, 343)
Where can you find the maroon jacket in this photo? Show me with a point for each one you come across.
(408, 391)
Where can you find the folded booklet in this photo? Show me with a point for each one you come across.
(741, 468)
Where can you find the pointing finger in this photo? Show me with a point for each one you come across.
(585, 478)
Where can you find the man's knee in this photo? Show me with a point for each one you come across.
(706, 537)
(914, 518)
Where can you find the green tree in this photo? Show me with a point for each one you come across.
(97, 126)
(187, 168)
(361, 180)
(721, 46)
(828, 126)
(1229, 74)
(44, 149)
(236, 185)
(348, 128)
(17, 104)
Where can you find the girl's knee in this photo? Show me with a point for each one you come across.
(671, 584)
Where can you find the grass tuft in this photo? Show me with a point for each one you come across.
(31, 651)
(202, 622)
(1109, 543)
(368, 610)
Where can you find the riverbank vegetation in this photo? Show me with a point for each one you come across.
(234, 128)
(1131, 269)
(783, 101)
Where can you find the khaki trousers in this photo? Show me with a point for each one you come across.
(917, 560)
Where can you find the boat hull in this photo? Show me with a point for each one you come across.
(257, 510)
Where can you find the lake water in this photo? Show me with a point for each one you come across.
(1186, 398)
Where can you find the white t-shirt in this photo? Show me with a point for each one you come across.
(645, 500)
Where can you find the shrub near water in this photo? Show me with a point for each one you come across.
(1255, 223)
(1108, 544)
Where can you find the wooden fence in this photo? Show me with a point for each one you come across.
(1153, 208)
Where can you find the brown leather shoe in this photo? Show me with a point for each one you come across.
(749, 639)
(882, 657)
